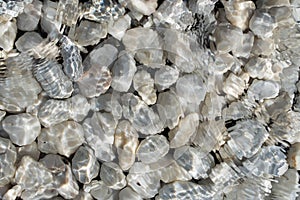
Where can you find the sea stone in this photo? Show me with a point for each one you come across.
(259, 68)
(182, 189)
(246, 138)
(98, 190)
(123, 71)
(174, 172)
(118, 27)
(60, 87)
(147, 39)
(79, 107)
(100, 79)
(191, 88)
(28, 41)
(144, 85)
(2, 114)
(212, 106)
(172, 108)
(48, 22)
(237, 110)
(239, 12)
(145, 184)
(228, 38)
(143, 118)
(263, 46)
(235, 85)
(22, 129)
(269, 160)
(286, 186)
(244, 49)
(8, 34)
(186, 128)
(262, 24)
(100, 56)
(72, 61)
(13, 193)
(90, 33)
(112, 176)
(29, 19)
(143, 6)
(165, 77)
(195, 161)
(177, 44)
(28, 150)
(209, 135)
(250, 188)
(152, 148)
(63, 138)
(85, 166)
(224, 175)
(8, 157)
(126, 141)
(54, 163)
(260, 90)
(128, 193)
(173, 14)
(294, 156)
(64, 180)
(68, 187)
(32, 174)
(19, 89)
(53, 112)
(97, 139)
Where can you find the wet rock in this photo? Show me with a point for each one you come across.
(98, 190)
(126, 141)
(32, 175)
(144, 85)
(28, 150)
(85, 166)
(53, 112)
(28, 41)
(117, 28)
(90, 33)
(63, 138)
(22, 129)
(128, 193)
(143, 6)
(152, 148)
(172, 110)
(29, 19)
(191, 88)
(165, 77)
(196, 162)
(8, 34)
(8, 158)
(123, 71)
(112, 176)
(186, 128)
(99, 134)
(262, 24)
(270, 161)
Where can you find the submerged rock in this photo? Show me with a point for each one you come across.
(22, 129)
(8, 157)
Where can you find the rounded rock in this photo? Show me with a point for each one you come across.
(22, 129)
(152, 149)
(112, 175)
